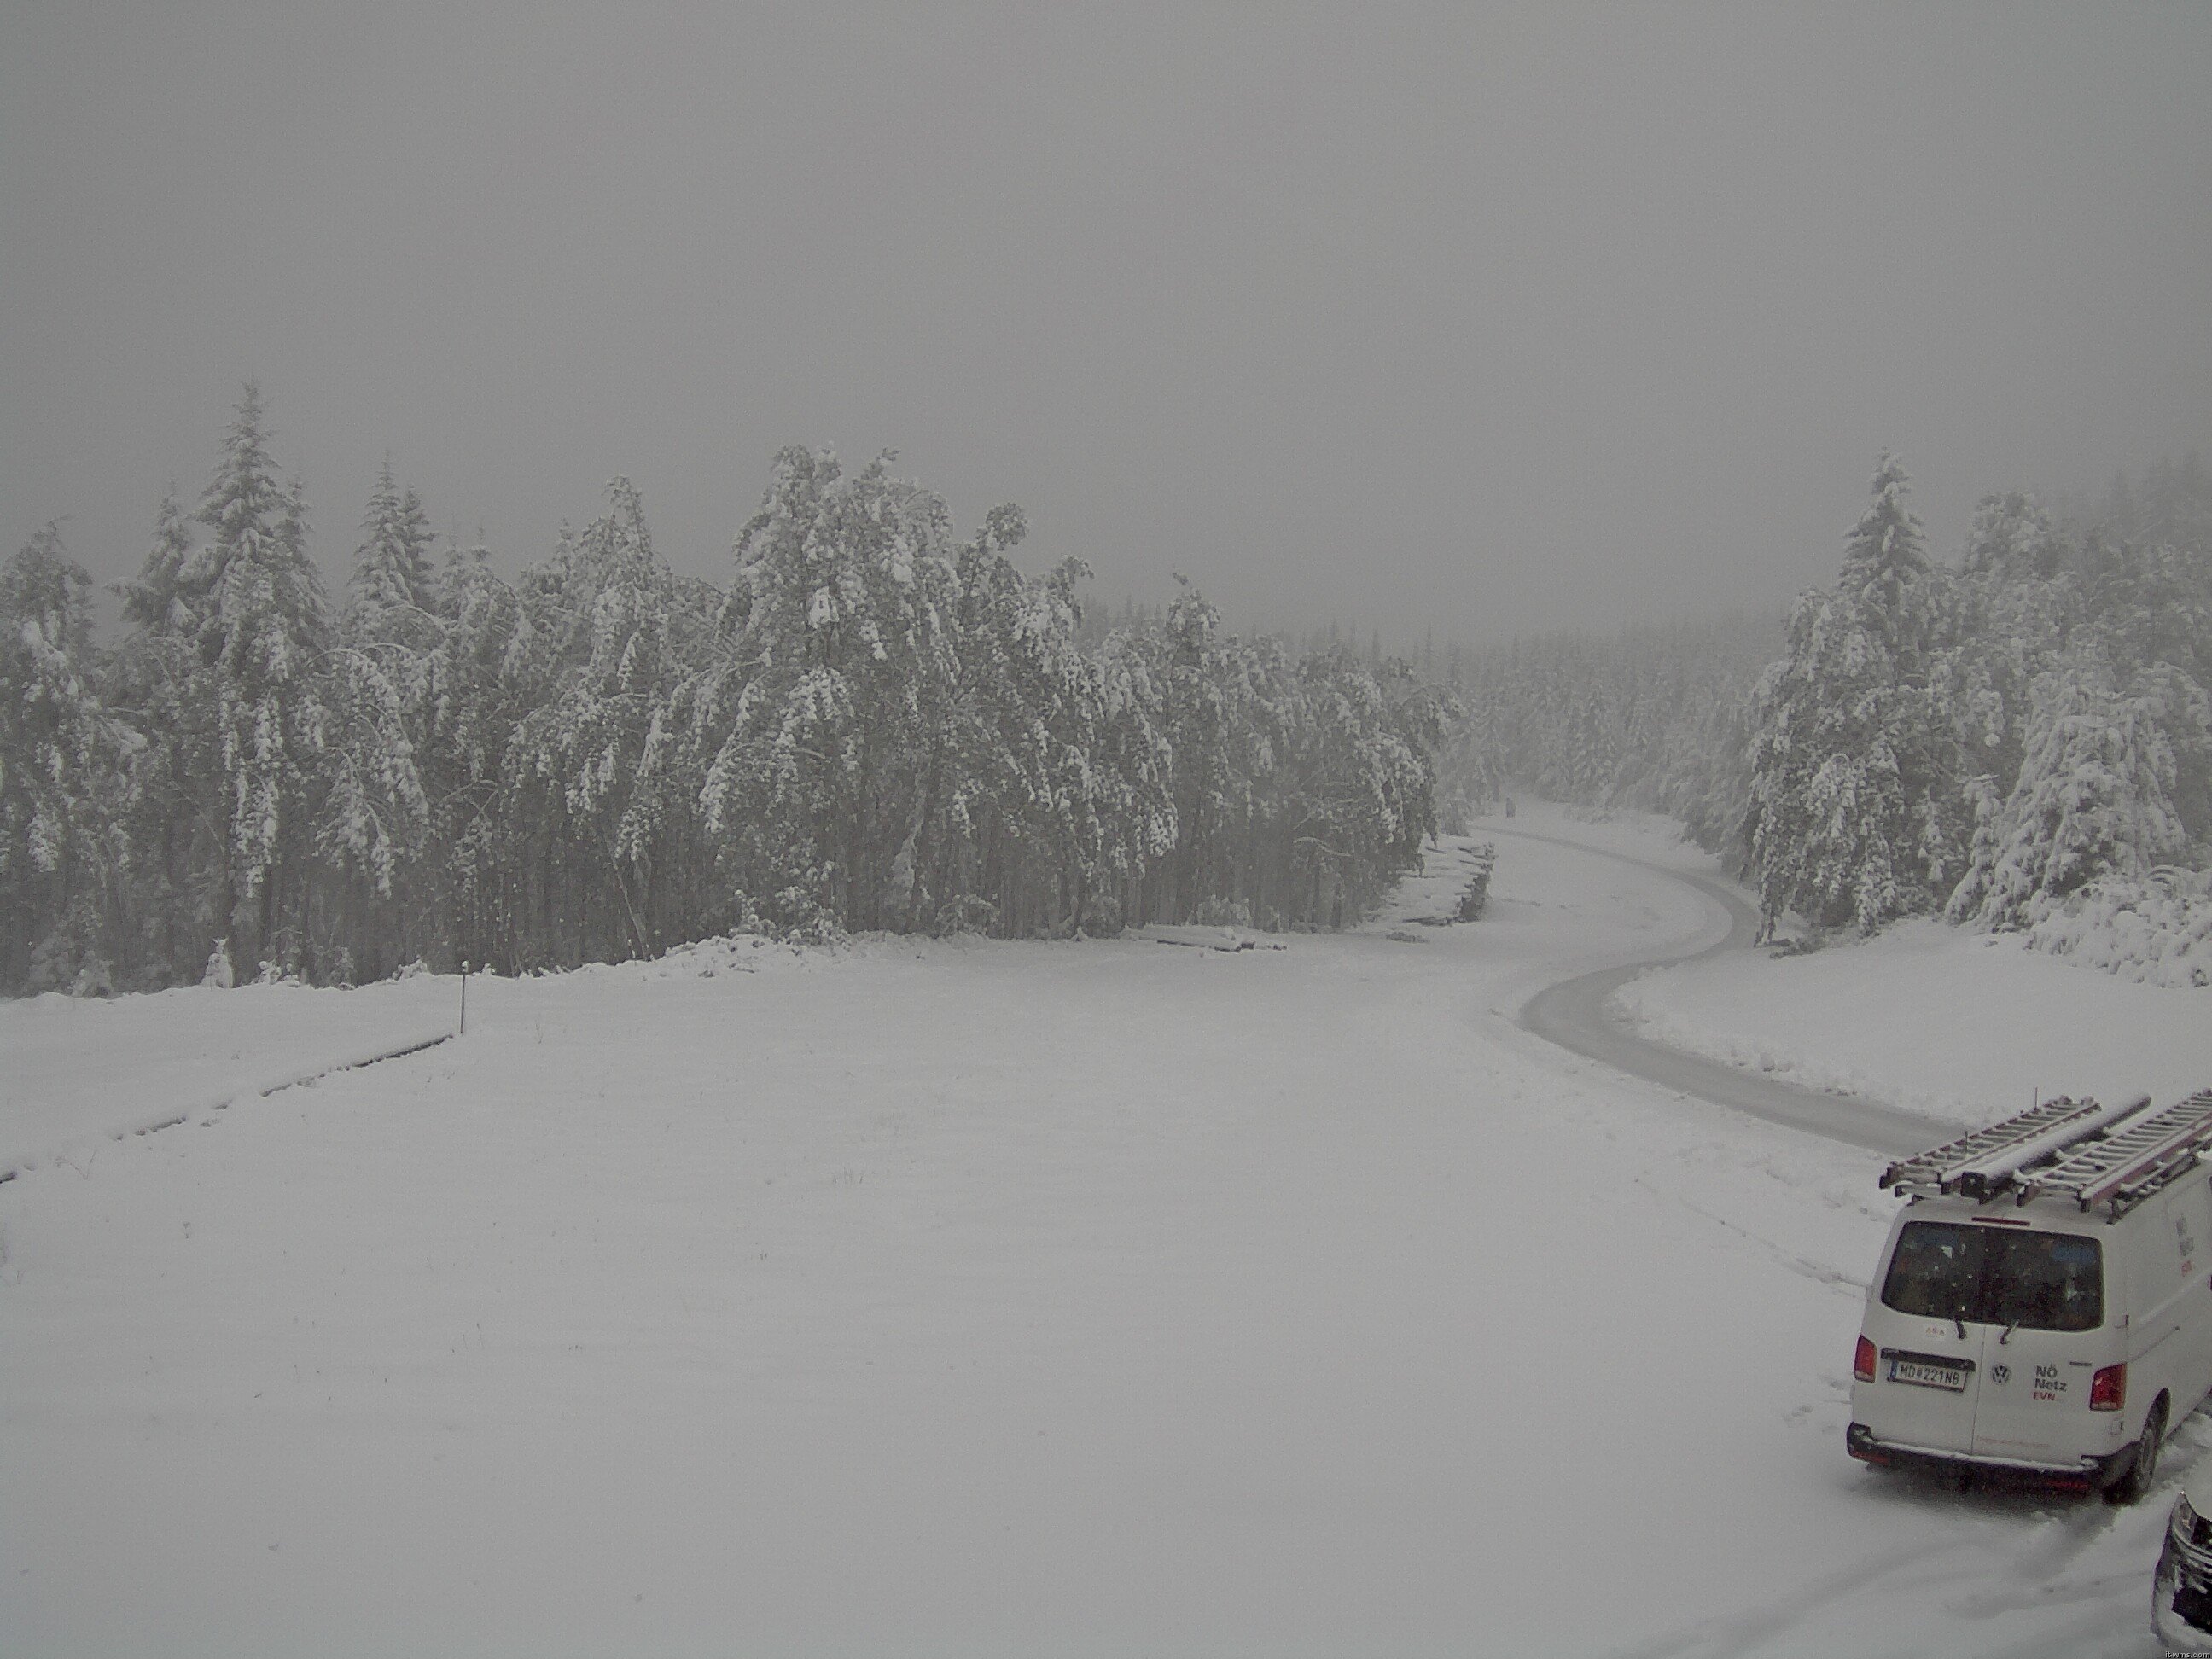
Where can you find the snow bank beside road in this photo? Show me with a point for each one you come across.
(1964, 1026)
(2159, 930)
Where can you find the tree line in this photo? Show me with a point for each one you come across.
(877, 725)
(2004, 740)
(1991, 738)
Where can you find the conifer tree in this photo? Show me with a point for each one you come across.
(174, 803)
(392, 597)
(159, 600)
(61, 849)
(613, 633)
(479, 688)
(1885, 550)
(2094, 794)
(263, 633)
(372, 823)
(1852, 816)
(840, 658)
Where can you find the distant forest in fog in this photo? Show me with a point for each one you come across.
(879, 724)
(2020, 740)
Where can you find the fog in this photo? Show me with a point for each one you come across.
(1486, 322)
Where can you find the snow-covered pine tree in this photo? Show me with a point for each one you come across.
(2012, 541)
(374, 819)
(263, 633)
(1052, 788)
(2008, 609)
(1883, 556)
(173, 805)
(160, 600)
(1851, 807)
(1703, 776)
(839, 661)
(1826, 798)
(2152, 603)
(2078, 674)
(1361, 791)
(392, 595)
(1296, 784)
(1130, 753)
(62, 850)
(371, 820)
(481, 682)
(982, 845)
(589, 784)
(1202, 684)
(2094, 795)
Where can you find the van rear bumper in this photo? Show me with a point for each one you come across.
(2083, 1474)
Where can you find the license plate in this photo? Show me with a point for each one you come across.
(1927, 1376)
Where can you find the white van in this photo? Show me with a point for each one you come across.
(2044, 1305)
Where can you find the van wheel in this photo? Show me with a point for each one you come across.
(2144, 1473)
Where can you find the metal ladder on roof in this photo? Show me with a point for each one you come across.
(1980, 1164)
(2132, 1159)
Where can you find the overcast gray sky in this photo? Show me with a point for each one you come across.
(1488, 319)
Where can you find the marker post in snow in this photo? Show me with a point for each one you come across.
(465, 997)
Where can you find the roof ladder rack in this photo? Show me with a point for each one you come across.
(2134, 1159)
(1986, 1161)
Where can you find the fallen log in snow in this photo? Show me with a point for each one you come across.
(1208, 939)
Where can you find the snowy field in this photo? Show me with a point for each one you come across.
(968, 1298)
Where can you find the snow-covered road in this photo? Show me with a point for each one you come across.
(1576, 1014)
(971, 1298)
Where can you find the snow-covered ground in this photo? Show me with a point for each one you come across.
(968, 1298)
(81, 1072)
(84, 1072)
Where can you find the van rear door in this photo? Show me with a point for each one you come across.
(2043, 1300)
(1928, 1340)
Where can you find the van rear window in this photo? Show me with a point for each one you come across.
(1998, 1276)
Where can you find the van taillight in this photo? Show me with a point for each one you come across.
(2108, 1389)
(1863, 1361)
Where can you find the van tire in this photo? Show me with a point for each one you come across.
(2142, 1474)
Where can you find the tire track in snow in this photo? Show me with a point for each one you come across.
(1573, 1014)
(2084, 1597)
(291, 1077)
(1835, 1277)
(1744, 1633)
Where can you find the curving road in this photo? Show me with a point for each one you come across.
(1573, 1014)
